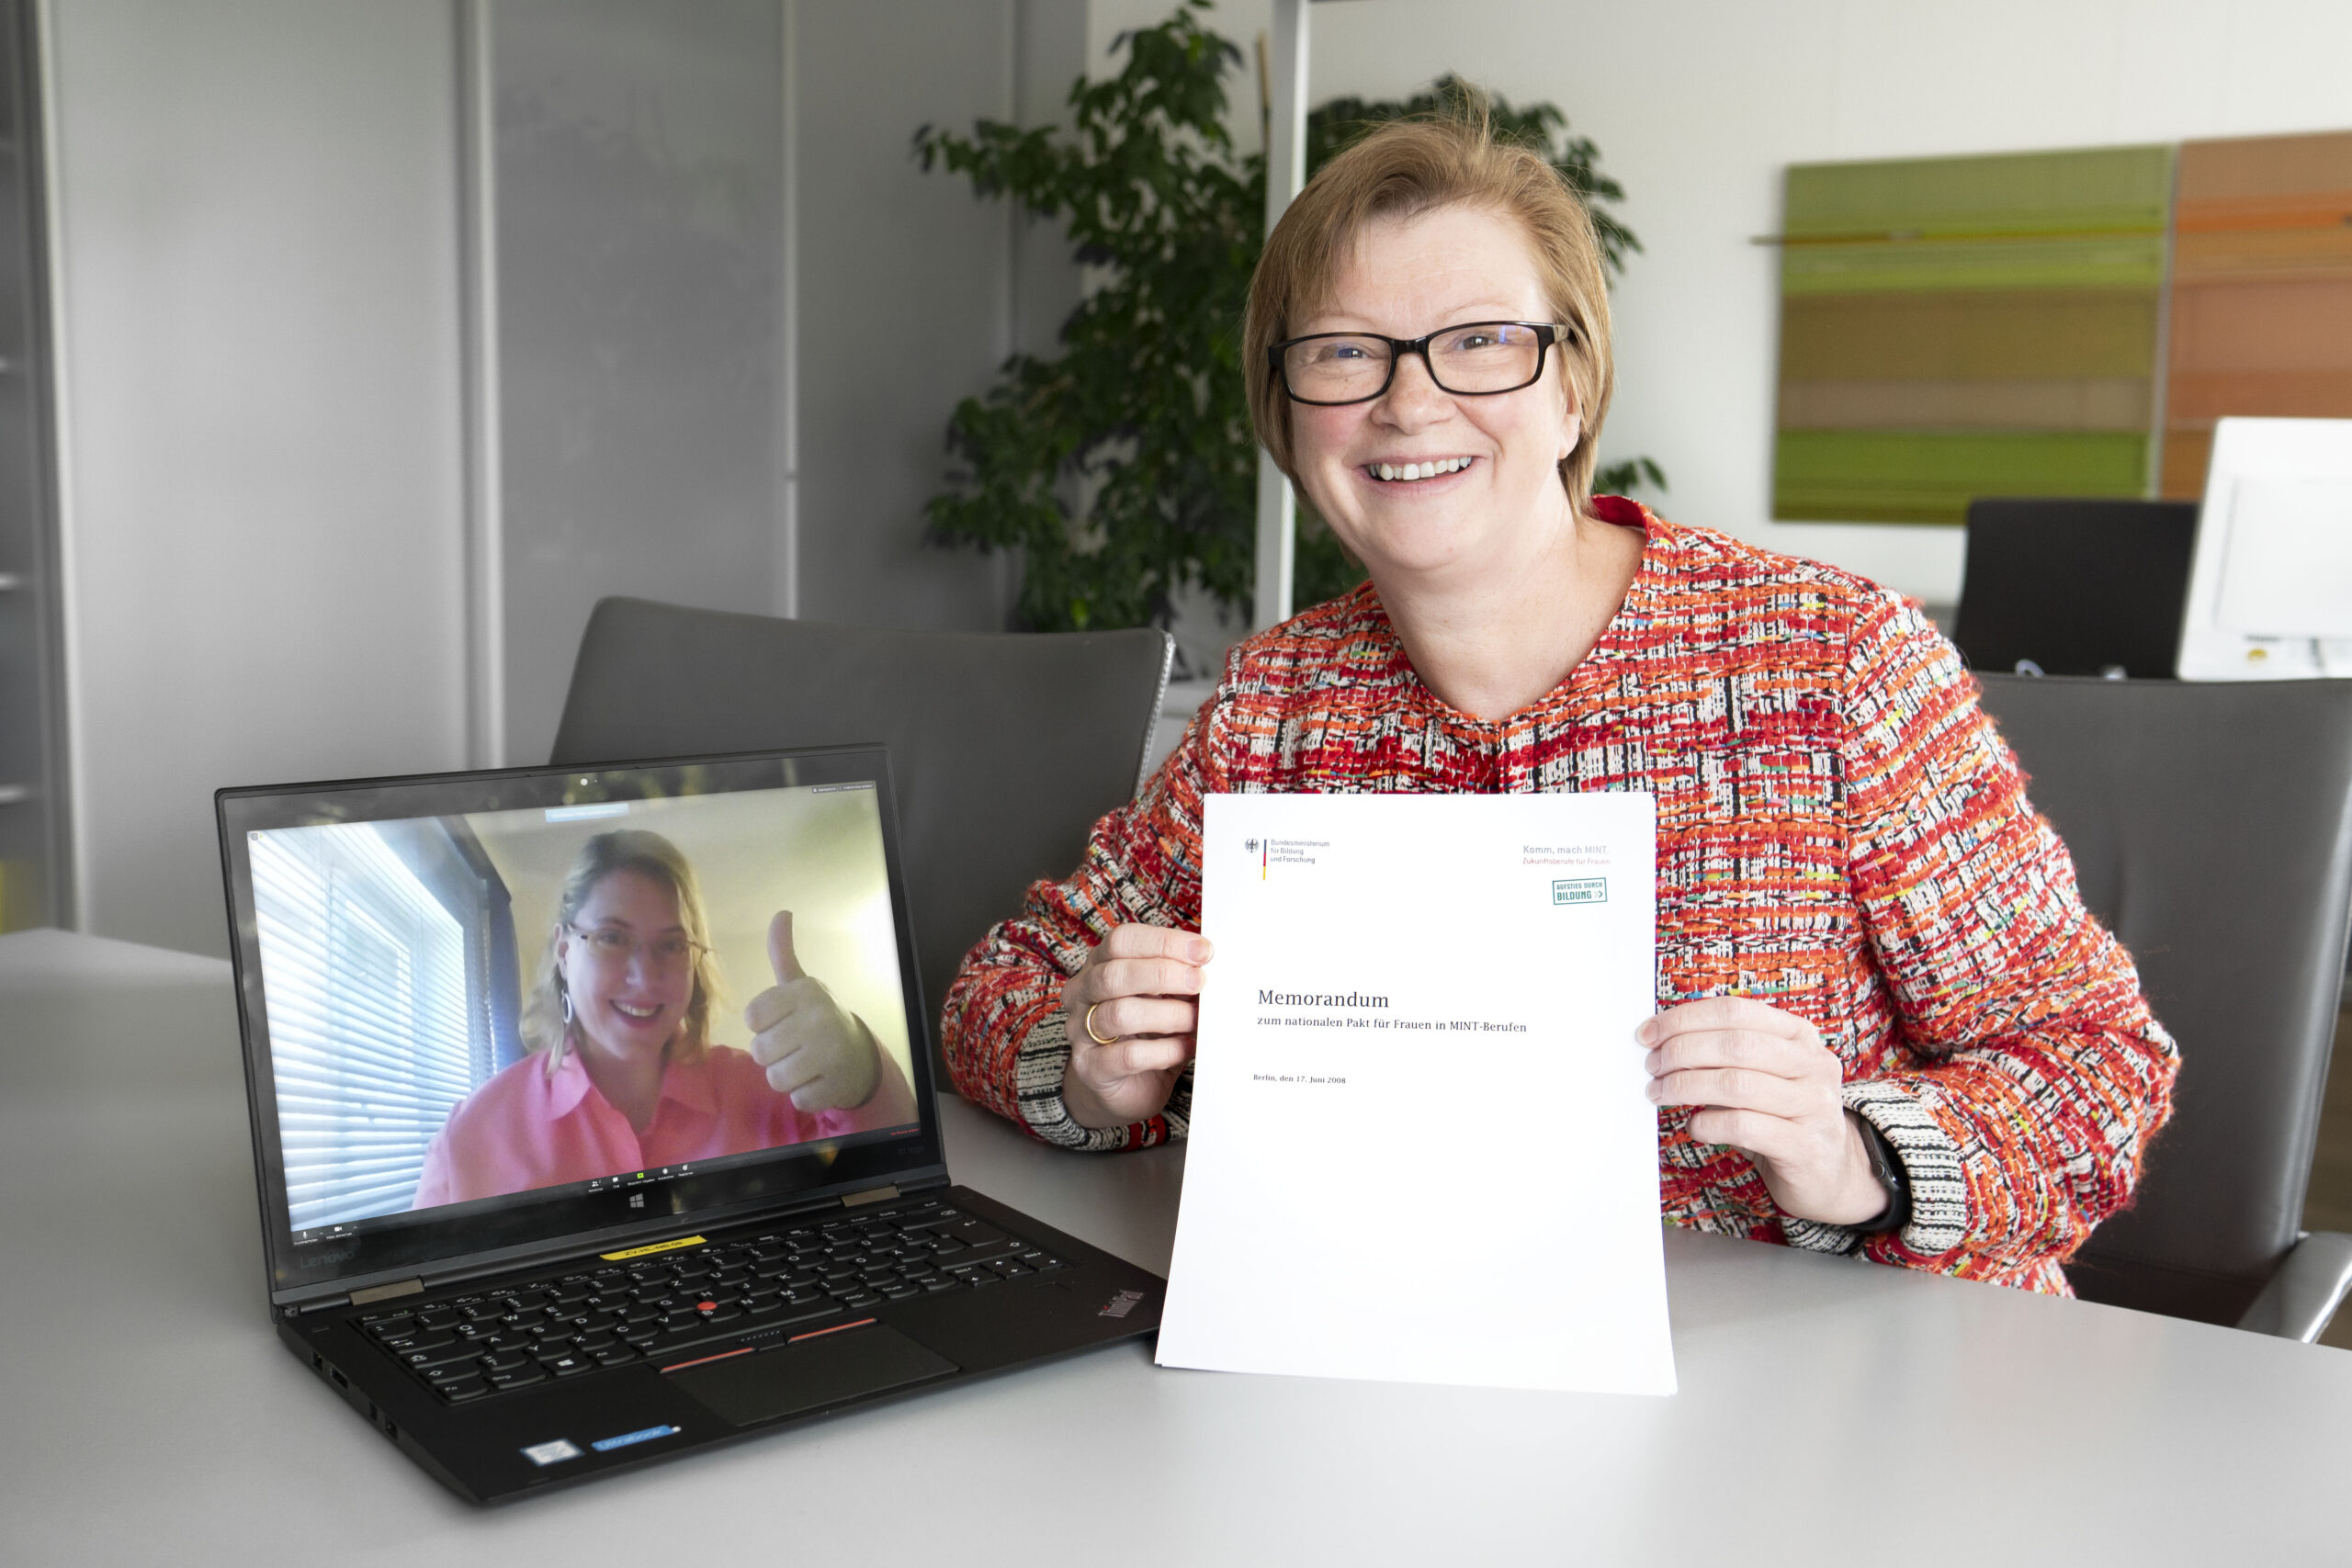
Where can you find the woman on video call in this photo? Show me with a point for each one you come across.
(1887, 1022)
(622, 1073)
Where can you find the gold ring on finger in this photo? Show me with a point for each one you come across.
(1089, 1029)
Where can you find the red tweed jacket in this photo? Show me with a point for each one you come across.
(1840, 833)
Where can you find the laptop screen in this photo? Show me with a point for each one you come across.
(488, 1012)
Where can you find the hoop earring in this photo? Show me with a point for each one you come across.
(563, 1041)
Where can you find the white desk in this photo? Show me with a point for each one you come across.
(1830, 1411)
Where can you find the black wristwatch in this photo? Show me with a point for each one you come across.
(1887, 1166)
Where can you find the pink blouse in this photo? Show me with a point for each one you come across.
(526, 1127)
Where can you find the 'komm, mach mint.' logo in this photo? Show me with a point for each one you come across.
(1581, 890)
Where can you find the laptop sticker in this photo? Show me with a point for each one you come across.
(556, 1452)
(642, 1435)
(652, 1247)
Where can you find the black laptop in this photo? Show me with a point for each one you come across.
(535, 1200)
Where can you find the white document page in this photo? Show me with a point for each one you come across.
(1421, 1148)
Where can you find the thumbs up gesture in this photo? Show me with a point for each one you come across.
(820, 1055)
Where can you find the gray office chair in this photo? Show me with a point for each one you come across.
(1003, 749)
(2077, 587)
(2211, 828)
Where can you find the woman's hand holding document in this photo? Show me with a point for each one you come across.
(1128, 1014)
(1421, 1146)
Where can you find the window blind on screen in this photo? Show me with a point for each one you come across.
(1953, 328)
(365, 979)
(2261, 291)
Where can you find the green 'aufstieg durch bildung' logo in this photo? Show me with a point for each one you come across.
(1581, 890)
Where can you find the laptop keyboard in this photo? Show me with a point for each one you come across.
(807, 1279)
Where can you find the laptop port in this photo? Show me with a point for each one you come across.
(336, 1374)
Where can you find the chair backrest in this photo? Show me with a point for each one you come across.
(2075, 586)
(1004, 750)
(2210, 827)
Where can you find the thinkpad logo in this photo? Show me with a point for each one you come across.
(1120, 1304)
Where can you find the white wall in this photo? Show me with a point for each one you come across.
(639, 156)
(670, 429)
(259, 378)
(1699, 105)
(266, 398)
(908, 291)
(257, 207)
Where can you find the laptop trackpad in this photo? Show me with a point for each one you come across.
(808, 1376)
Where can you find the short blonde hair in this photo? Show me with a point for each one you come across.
(1402, 170)
(655, 858)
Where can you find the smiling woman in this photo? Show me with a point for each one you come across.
(1887, 1022)
(623, 1074)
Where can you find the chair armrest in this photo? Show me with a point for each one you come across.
(2303, 1294)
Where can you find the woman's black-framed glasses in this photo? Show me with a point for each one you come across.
(1477, 359)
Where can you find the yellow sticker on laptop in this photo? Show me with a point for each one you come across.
(652, 1246)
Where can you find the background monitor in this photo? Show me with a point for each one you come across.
(2270, 584)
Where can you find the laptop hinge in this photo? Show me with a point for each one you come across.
(878, 1195)
(374, 1294)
